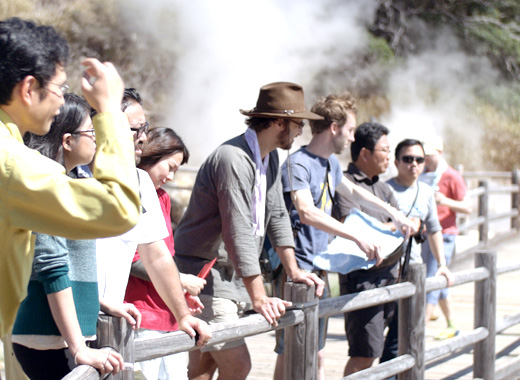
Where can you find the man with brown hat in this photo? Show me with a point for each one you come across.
(237, 198)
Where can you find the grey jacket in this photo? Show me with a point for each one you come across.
(219, 223)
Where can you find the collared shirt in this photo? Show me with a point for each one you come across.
(380, 189)
(36, 195)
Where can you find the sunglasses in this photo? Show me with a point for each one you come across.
(410, 159)
(143, 128)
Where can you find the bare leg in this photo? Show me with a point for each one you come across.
(278, 368)
(233, 364)
(357, 363)
(445, 307)
(429, 311)
(201, 366)
(321, 365)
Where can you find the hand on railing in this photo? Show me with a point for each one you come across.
(309, 279)
(271, 308)
(105, 360)
(195, 326)
(446, 272)
(126, 310)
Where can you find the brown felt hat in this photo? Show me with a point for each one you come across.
(281, 99)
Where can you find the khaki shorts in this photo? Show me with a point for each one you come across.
(218, 310)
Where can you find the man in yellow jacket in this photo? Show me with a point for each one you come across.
(35, 193)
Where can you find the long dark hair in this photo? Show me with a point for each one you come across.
(72, 116)
(161, 143)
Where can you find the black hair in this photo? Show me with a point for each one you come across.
(366, 136)
(406, 143)
(72, 116)
(130, 96)
(28, 49)
(162, 142)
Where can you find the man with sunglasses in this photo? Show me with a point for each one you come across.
(416, 199)
(36, 194)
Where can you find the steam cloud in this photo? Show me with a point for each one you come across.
(227, 50)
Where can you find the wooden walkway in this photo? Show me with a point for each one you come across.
(457, 367)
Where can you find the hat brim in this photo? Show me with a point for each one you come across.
(297, 115)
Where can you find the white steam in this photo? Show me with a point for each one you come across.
(226, 50)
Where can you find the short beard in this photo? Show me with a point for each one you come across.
(283, 137)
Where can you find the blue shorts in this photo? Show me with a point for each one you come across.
(431, 266)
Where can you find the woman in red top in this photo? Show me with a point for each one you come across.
(163, 154)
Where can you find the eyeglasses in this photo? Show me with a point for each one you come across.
(143, 128)
(90, 132)
(63, 89)
(410, 159)
(301, 124)
(385, 151)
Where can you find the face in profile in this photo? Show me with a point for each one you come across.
(137, 121)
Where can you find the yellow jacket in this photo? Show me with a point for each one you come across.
(37, 195)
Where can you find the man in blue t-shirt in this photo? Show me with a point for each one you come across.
(310, 178)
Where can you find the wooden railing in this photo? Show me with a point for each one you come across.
(301, 323)
(483, 195)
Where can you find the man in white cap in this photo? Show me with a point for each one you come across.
(450, 191)
(237, 198)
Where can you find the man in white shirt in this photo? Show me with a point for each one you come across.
(115, 254)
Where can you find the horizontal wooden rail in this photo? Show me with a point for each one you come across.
(508, 268)
(384, 370)
(150, 348)
(507, 322)
(451, 345)
(482, 174)
(355, 301)
(477, 221)
(509, 370)
(459, 278)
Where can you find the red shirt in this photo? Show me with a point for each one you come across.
(451, 185)
(156, 315)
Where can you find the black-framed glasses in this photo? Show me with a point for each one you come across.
(91, 132)
(410, 159)
(63, 88)
(143, 128)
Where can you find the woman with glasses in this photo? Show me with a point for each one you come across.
(60, 312)
(162, 155)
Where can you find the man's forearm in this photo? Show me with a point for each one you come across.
(138, 270)
(286, 255)
(437, 247)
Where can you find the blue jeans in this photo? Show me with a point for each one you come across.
(431, 266)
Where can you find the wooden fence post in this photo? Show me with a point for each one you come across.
(411, 322)
(515, 201)
(118, 334)
(483, 210)
(485, 316)
(301, 341)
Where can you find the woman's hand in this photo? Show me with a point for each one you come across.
(104, 360)
(125, 310)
